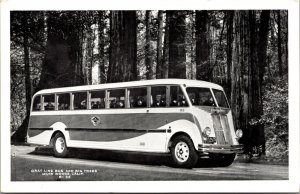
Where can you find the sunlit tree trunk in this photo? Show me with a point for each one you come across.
(166, 49)
(148, 62)
(101, 67)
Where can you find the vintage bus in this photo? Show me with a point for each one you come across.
(186, 118)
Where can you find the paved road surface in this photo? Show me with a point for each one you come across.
(30, 164)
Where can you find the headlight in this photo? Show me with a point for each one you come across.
(207, 132)
(239, 133)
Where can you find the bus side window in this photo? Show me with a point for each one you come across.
(36, 103)
(117, 98)
(158, 95)
(79, 101)
(137, 97)
(176, 97)
(49, 102)
(97, 99)
(63, 101)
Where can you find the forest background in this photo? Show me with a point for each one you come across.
(245, 51)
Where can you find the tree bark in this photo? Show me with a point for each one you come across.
(26, 63)
(101, 44)
(279, 43)
(262, 56)
(203, 67)
(123, 46)
(89, 55)
(177, 52)
(159, 63)
(229, 27)
(148, 62)
(20, 134)
(286, 43)
(165, 62)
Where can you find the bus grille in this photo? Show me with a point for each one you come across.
(220, 137)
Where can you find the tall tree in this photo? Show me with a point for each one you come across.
(229, 27)
(279, 43)
(261, 60)
(148, 62)
(203, 67)
(61, 56)
(26, 61)
(61, 52)
(159, 63)
(21, 132)
(123, 46)
(177, 51)
(89, 54)
(101, 45)
(165, 62)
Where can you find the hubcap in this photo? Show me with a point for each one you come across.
(60, 145)
(182, 151)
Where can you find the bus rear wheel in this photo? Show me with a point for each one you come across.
(183, 152)
(60, 146)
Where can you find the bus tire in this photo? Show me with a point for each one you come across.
(183, 152)
(222, 160)
(60, 146)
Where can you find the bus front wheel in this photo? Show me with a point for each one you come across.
(183, 152)
(59, 146)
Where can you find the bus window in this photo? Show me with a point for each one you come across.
(176, 97)
(117, 98)
(79, 100)
(63, 101)
(49, 102)
(158, 96)
(97, 99)
(36, 103)
(200, 96)
(137, 97)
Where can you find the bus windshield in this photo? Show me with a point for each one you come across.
(200, 96)
(221, 99)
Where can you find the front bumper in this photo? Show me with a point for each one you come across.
(220, 148)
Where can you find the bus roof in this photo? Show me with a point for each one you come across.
(188, 83)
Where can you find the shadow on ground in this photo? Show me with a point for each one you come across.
(121, 157)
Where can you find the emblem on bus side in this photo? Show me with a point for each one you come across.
(95, 121)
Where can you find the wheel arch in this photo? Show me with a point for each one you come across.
(53, 134)
(59, 127)
(177, 134)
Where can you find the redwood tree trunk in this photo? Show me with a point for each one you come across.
(203, 67)
(279, 43)
(61, 58)
(26, 63)
(101, 67)
(261, 57)
(148, 62)
(229, 26)
(20, 134)
(177, 52)
(123, 47)
(159, 63)
(165, 62)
